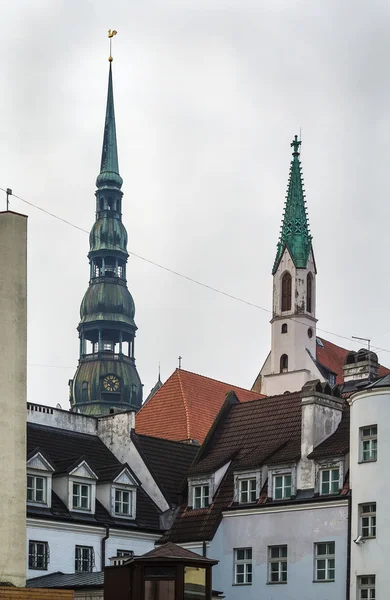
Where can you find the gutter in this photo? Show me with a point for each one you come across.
(104, 539)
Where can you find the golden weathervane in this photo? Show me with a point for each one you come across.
(110, 36)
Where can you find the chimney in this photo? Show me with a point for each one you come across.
(360, 365)
(321, 415)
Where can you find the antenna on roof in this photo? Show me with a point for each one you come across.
(180, 359)
(355, 337)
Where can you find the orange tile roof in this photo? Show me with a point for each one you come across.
(333, 357)
(185, 407)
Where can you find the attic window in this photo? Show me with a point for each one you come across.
(201, 496)
(81, 498)
(36, 489)
(123, 502)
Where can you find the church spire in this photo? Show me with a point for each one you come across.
(295, 231)
(109, 167)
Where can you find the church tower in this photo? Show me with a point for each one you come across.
(292, 360)
(106, 377)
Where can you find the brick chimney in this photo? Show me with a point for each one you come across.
(360, 365)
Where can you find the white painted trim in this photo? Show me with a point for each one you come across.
(77, 527)
(190, 545)
(46, 466)
(279, 509)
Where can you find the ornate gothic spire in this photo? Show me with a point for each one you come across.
(295, 231)
(109, 168)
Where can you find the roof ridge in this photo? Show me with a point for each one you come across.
(218, 381)
(154, 437)
(186, 408)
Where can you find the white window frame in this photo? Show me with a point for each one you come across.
(34, 489)
(366, 587)
(246, 563)
(280, 560)
(284, 487)
(249, 495)
(79, 496)
(121, 491)
(81, 559)
(372, 440)
(332, 480)
(367, 520)
(203, 497)
(242, 476)
(329, 558)
(278, 471)
(33, 553)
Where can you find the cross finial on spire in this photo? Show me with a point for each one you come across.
(110, 36)
(295, 144)
(180, 359)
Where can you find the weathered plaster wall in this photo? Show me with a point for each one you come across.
(13, 369)
(62, 419)
(370, 483)
(299, 529)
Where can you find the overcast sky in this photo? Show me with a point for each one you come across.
(208, 95)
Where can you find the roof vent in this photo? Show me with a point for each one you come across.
(319, 342)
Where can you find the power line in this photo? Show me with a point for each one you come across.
(181, 275)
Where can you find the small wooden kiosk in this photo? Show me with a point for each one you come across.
(168, 572)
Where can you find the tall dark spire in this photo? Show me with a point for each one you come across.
(109, 167)
(106, 378)
(295, 231)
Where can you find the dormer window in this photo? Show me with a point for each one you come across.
(123, 502)
(330, 481)
(247, 487)
(282, 487)
(81, 498)
(201, 496)
(36, 489)
(329, 476)
(282, 482)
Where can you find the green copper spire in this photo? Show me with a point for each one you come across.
(295, 232)
(109, 168)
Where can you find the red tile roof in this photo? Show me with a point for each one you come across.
(185, 407)
(333, 357)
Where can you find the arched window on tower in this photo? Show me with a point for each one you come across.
(286, 292)
(284, 363)
(309, 293)
(284, 328)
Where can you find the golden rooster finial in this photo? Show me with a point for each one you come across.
(111, 35)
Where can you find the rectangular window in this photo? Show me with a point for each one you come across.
(125, 553)
(369, 440)
(201, 496)
(282, 487)
(38, 555)
(123, 502)
(277, 564)
(82, 496)
(324, 561)
(36, 489)
(366, 587)
(329, 481)
(247, 491)
(368, 520)
(242, 566)
(84, 559)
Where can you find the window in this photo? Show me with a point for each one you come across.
(324, 561)
(36, 489)
(329, 481)
(368, 520)
(282, 487)
(284, 328)
(81, 496)
(369, 438)
(277, 564)
(84, 559)
(123, 502)
(242, 566)
(284, 363)
(366, 587)
(286, 292)
(38, 555)
(201, 496)
(247, 491)
(125, 553)
(309, 292)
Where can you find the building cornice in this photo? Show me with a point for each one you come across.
(88, 529)
(281, 509)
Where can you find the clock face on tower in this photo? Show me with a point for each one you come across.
(111, 383)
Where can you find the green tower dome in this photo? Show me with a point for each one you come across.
(106, 378)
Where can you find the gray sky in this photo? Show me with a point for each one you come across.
(208, 94)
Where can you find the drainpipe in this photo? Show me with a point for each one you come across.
(104, 546)
(349, 546)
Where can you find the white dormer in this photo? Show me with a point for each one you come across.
(39, 480)
(201, 490)
(119, 497)
(77, 489)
